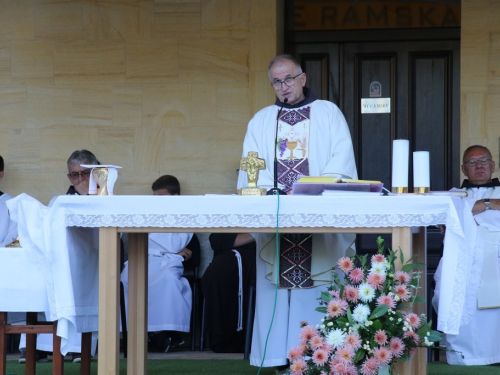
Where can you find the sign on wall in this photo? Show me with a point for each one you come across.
(353, 15)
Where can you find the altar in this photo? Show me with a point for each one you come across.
(69, 232)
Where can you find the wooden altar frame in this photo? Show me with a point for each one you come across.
(411, 242)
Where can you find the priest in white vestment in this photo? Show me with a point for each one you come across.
(476, 342)
(169, 294)
(8, 228)
(312, 139)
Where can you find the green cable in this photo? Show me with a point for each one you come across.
(277, 283)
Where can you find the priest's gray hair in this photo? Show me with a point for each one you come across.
(475, 146)
(82, 157)
(285, 57)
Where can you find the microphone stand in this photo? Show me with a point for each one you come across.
(275, 190)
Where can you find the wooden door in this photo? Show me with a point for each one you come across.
(421, 78)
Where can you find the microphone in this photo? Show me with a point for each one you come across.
(275, 190)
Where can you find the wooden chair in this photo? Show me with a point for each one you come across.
(30, 294)
(32, 328)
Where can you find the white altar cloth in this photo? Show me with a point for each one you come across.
(62, 233)
(252, 212)
(22, 288)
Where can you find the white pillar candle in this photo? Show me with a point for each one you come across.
(400, 161)
(421, 174)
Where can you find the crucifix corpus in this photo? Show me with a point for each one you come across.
(252, 164)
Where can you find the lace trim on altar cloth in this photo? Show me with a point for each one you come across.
(254, 220)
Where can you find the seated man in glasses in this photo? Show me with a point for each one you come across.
(79, 178)
(479, 285)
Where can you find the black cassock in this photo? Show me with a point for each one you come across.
(220, 288)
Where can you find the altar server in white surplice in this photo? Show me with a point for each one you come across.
(312, 139)
(169, 294)
(8, 228)
(479, 330)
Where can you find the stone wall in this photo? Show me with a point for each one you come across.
(480, 75)
(155, 86)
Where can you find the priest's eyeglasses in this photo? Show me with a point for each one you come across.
(473, 162)
(85, 174)
(277, 84)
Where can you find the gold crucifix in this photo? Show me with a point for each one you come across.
(252, 164)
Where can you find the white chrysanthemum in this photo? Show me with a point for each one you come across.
(379, 268)
(361, 313)
(366, 292)
(336, 338)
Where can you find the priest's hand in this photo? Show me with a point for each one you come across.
(483, 205)
(185, 253)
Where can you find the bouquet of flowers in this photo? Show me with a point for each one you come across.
(368, 322)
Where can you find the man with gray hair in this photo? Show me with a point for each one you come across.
(309, 137)
(79, 176)
(474, 277)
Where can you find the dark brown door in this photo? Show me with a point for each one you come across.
(422, 81)
(421, 78)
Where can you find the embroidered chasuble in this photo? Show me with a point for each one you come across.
(292, 143)
(295, 260)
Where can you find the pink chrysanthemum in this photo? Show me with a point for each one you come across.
(336, 307)
(307, 333)
(375, 280)
(413, 336)
(378, 258)
(345, 264)
(353, 340)
(316, 342)
(356, 275)
(386, 300)
(402, 277)
(383, 355)
(351, 293)
(380, 337)
(397, 347)
(334, 361)
(328, 347)
(339, 368)
(370, 366)
(334, 293)
(298, 367)
(295, 353)
(403, 293)
(320, 357)
(345, 354)
(413, 320)
(351, 370)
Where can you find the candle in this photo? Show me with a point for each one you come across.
(400, 157)
(421, 174)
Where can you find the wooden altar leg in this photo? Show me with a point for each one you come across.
(138, 298)
(412, 244)
(109, 302)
